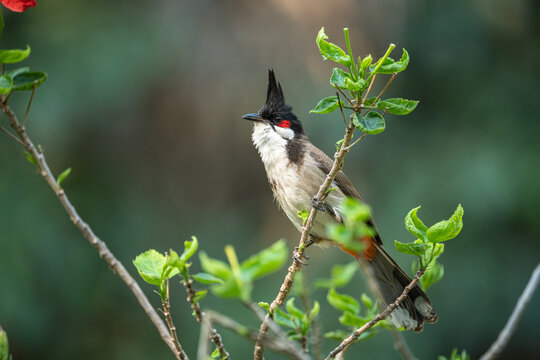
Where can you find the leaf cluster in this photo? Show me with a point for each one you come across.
(456, 356)
(19, 79)
(354, 314)
(356, 79)
(156, 268)
(428, 245)
(297, 320)
(355, 217)
(238, 277)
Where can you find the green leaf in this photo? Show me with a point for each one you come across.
(265, 262)
(365, 64)
(13, 56)
(18, 71)
(350, 319)
(370, 101)
(398, 106)
(199, 295)
(433, 274)
(414, 225)
(338, 144)
(214, 266)
(367, 301)
(414, 248)
(446, 229)
(351, 85)
(26, 81)
(342, 302)
(338, 77)
(303, 215)
(30, 158)
(371, 123)
(455, 356)
(283, 319)
(149, 265)
(6, 83)
(293, 310)
(338, 335)
(190, 247)
(205, 278)
(327, 105)
(63, 176)
(342, 274)
(331, 51)
(265, 306)
(389, 66)
(215, 354)
(314, 311)
(356, 211)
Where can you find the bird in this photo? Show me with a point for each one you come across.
(295, 169)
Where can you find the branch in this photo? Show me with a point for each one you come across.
(278, 345)
(296, 265)
(87, 232)
(356, 334)
(201, 318)
(506, 333)
(180, 353)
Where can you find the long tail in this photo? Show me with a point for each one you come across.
(389, 281)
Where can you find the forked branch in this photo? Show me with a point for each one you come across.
(102, 249)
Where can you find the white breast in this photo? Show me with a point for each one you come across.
(293, 186)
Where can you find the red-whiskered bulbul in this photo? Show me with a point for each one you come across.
(296, 169)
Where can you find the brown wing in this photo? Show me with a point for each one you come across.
(342, 181)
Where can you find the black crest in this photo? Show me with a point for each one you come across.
(275, 106)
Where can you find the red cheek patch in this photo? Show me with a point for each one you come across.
(285, 124)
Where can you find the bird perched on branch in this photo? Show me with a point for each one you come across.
(296, 169)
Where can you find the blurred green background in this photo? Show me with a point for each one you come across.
(144, 101)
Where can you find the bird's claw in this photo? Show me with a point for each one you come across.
(317, 204)
(299, 258)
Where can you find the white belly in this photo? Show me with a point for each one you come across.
(294, 186)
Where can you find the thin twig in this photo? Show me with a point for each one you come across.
(180, 353)
(401, 346)
(275, 344)
(356, 142)
(29, 103)
(506, 333)
(368, 89)
(296, 265)
(8, 133)
(341, 108)
(356, 334)
(200, 316)
(385, 87)
(342, 93)
(87, 232)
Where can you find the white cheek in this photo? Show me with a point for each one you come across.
(285, 133)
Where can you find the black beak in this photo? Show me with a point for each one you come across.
(253, 117)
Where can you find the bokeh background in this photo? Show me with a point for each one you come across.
(144, 101)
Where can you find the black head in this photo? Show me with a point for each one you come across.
(275, 110)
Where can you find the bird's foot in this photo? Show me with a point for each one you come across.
(299, 258)
(317, 204)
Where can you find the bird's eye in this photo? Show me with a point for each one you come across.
(278, 118)
(285, 124)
